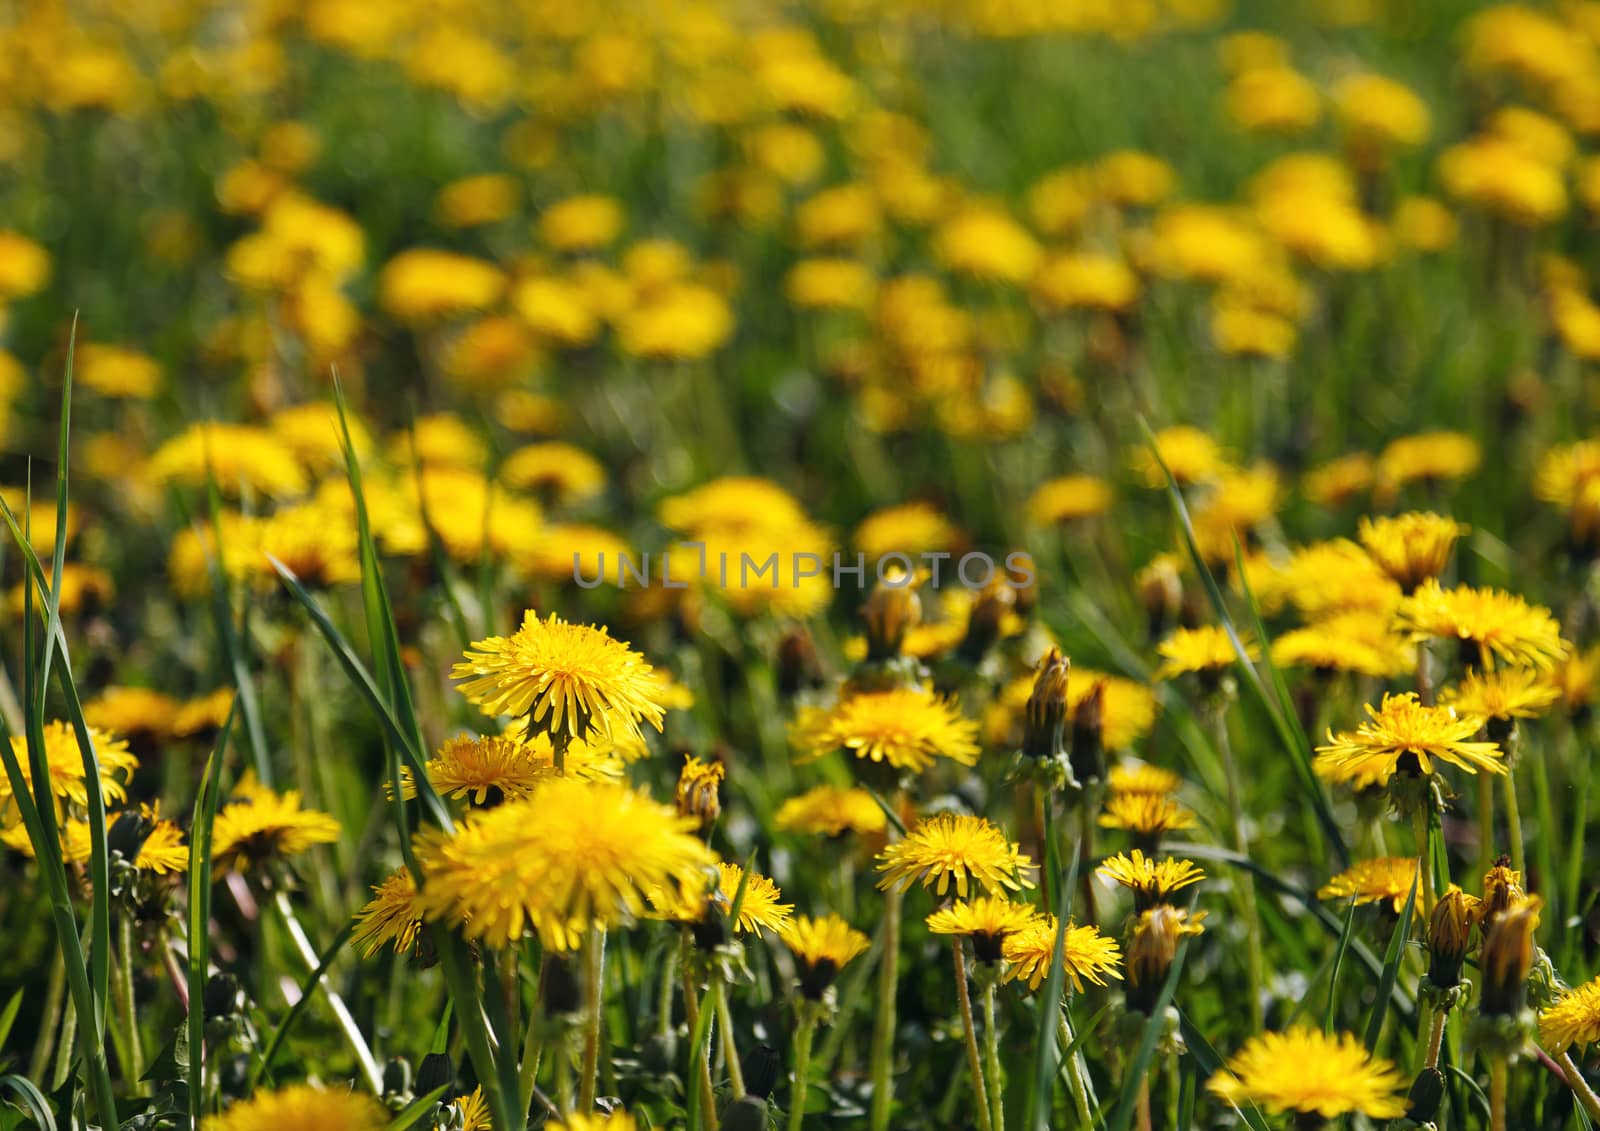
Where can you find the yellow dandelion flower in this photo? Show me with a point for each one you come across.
(137, 712)
(486, 769)
(1505, 693)
(1133, 776)
(1145, 814)
(823, 946)
(1356, 640)
(203, 715)
(1068, 498)
(761, 910)
(1086, 954)
(1305, 1070)
(830, 811)
(64, 761)
(301, 1106)
(236, 455)
(988, 921)
(261, 825)
(1574, 1018)
(955, 847)
(729, 504)
(1371, 881)
(564, 471)
(568, 679)
(1152, 881)
(474, 1111)
(1206, 650)
(577, 1121)
(1190, 455)
(1402, 731)
(910, 528)
(1411, 547)
(1574, 680)
(1502, 889)
(904, 727)
(574, 854)
(699, 789)
(1336, 482)
(1430, 457)
(1501, 624)
(392, 915)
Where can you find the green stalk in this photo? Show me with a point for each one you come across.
(719, 998)
(980, 1094)
(594, 954)
(532, 1044)
(133, 1071)
(991, 1049)
(1420, 828)
(1580, 1087)
(1497, 1092)
(1435, 1037)
(54, 988)
(1485, 823)
(1514, 822)
(802, 1070)
(1246, 888)
(1075, 1081)
(882, 1061)
(699, 1061)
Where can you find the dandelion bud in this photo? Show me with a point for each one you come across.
(1045, 718)
(223, 997)
(798, 666)
(761, 1070)
(747, 1113)
(1427, 1093)
(397, 1077)
(1507, 959)
(987, 620)
(435, 1071)
(1088, 735)
(699, 790)
(1151, 951)
(562, 994)
(128, 833)
(1502, 887)
(1161, 593)
(1450, 936)
(893, 610)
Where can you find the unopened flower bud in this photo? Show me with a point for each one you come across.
(397, 1077)
(1151, 951)
(1088, 735)
(798, 666)
(987, 620)
(1161, 592)
(699, 790)
(1502, 887)
(1450, 936)
(893, 610)
(128, 833)
(1045, 717)
(436, 1071)
(1507, 958)
(1427, 1093)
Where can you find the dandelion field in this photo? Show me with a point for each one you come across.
(919, 564)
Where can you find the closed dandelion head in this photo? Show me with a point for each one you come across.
(1574, 1019)
(1412, 547)
(987, 920)
(572, 855)
(951, 847)
(1309, 1072)
(1087, 955)
(893, 609)
(830, 811)
(1405, 735)
(1498, 626)
(1502, 887)
(1507, 957)
(1450, 936)
(1152, 947)
(1386, 878)
(1152, 881)
(699, 790)
(302, 1106)
(904, 728)
(568, 679)
(1045, 714)
(260, 825)
(822, 946)
(1206, 651)
(392, 916)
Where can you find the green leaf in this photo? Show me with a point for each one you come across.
(1338, 961)
(235, 640)
(697, 1050)
(31, 1098)
(308, 989)
(418, 1108)
(8, 1016)
(1391, 969)
(1047, 1057)
(1210, 1063)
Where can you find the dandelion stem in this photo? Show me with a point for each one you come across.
(991, 1051)
(883, 1021)
(558, 747)
(532, 1044)
(1075, 1082)
(802, 1072)
(968, 1030)
(1514, 823)
(1485, 823)
(1436, 1021)
(1580, 1087)
(54, 992)
(1497, 1092)
(1145, 1121)
(347, 1023)
(1245, 888)
(1422, 828)
(594, 953)
(719, 997)
(133, 1070)
(701, 1066)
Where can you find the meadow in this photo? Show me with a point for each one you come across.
(862, 564)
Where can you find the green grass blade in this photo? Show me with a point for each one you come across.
(235, 639)
(199, 917)
(1209, 1064)
(697, 1049)
(308, 990)
(1288, 729)
(1391, 969)
(8, 1016)
(1477, 1093)
(418, 1108)
(32, 1099)
(1338, 962)
(1047, 1056)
